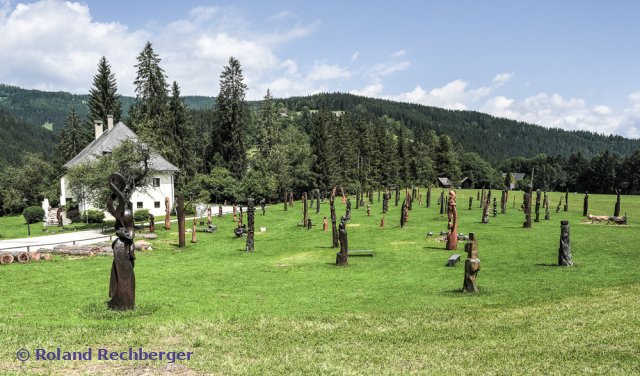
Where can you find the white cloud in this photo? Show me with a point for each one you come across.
(373, 90)
(502, 78)
(324, 72)
(355, 55)
(384, 69)
(398, 54)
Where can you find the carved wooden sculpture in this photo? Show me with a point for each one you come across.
(616, 209)
(342, 257)
(167, 214)
(495, 207)
(325, 224)
(122, 284)
(285, 200)
(546, 208)
(317, 201)
(566, 201)
(250, 224)
(305, 209)
(334, 229)
(559, 205)
(403, 213)
(585, 204)
(485, 207)
(209, 216)
(527, 208)
(220, 211)
(538, 195)
(441, 202)
(152, 223)
(385, 203)
(397, 195)
(193, 231)
(429, 197)
(452, 235)
(471, 264)
(564, 252)
(470, 202)
(348, 214)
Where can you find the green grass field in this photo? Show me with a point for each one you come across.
(286, 309)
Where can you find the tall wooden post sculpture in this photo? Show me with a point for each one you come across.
(379, 195)
(180, 210)
(342, 257)
(167, 214)
(478, 196)
(362, 193)
(452, 235)
(357, 199)
(193, 231)
(152, 223)
(527, 208)
(470, 202)
(397, 195)
(566, 201)
(122, 284)
(325, 224)
(305, 212)
(403, 213)
(485, 207)
(471, 264)
(285, 200)
(446, 205)
(291, 199)
(495, 207)
(409, 201)
(546, 208)
(311, 198)
(209, 216)
(385, 203)
(429, 197)
(344, 196)
(219, 211)
(334, 229)
(564, 252)
(371, 197)
(241, 217)
(616, 209)
(251, 210)
(348, 213)
(544, 199)
(503, 202)
(585, 204)
(317, 201)
(538, 194)
(441, 202)
(482, 199)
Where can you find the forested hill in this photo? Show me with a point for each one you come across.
(50, 109)
(19, 137)
(493, 138)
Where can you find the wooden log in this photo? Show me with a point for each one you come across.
(22, 257)
(45, 257)
(73, 252)
(35, 256)
(6, 258)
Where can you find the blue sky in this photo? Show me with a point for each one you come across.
(568, 64)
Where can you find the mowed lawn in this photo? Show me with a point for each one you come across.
(286, 309)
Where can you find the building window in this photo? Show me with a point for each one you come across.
(156, 182)
(139, 205)
(156, 204)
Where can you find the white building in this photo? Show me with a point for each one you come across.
(151, 197)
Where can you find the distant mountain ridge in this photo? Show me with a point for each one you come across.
(493, 138)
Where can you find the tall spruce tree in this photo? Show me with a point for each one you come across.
(149, 112)
(103, 96)
(268, 132)
(231, 117)
(182, 148)
(319, 143)
(73, 138)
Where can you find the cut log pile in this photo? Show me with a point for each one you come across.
(22, 257)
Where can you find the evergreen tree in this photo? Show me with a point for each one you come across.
(231, 119)
(182, 150)
(268, 133)
(103, 96)
(319, 143)
(446, 161)
(73, 138)
(403, 157)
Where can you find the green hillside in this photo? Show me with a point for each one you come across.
(493, 138)
(19, 137)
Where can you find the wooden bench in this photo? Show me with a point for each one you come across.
(365, 253)
(453, 259)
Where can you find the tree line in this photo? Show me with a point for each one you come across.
(236, 149)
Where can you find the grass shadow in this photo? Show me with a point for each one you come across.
(100, 311)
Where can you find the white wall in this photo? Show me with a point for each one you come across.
(147, 196)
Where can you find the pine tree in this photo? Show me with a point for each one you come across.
(149, 112)
(181, 150)
(268, 133)
(319, 142)
(73, 138)
(103, 96)
(231, 119)
(446, 161)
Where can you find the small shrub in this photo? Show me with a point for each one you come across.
(33, 214)
(141, 215)
(93, 216)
